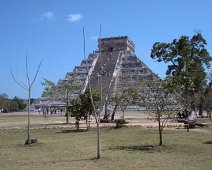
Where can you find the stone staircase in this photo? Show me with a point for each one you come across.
(103, 72)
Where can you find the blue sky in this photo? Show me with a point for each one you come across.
(51, 30)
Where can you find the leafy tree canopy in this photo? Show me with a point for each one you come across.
(82, 105)
(11, 105)
(20, 103)
(187, 60)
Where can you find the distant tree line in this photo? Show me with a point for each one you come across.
(11, 105)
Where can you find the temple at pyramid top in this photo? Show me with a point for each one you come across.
(121, 43)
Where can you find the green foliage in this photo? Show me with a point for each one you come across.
(32, 100)
(86, 100)
(159, 98)
(20, 102)
(124, 97)
(77, 111)
(208, 92)
(161, 102)
(4, 103)
(208, 98)
(49, 88)
(64, 91)
(11, 105)
(81, 106)
(120, 123)
(187, 60)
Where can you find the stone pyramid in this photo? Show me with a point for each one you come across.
(117, 60)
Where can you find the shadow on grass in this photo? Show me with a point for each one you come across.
(86, 159)
(72, 131)
(208, 142)
(93, 159)
(145, 148)
(36, 145)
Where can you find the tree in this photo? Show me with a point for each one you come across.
(20, 102)
(77, 111)
(161, 104)
(32, 100)
(64, 91)
(4, 95)
(4, 102)
(187, 60)
(127, 93)
(208, 95)
(124, 97)
(28, 88)
(95, 111)
(81, 106)
(13, 106)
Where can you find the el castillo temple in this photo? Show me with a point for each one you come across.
(118, 66)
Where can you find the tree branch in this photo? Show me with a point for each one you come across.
(20, 84)
(36, 74)
(27, 72)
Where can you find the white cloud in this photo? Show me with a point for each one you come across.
(49, 16)
(94, 37)
(74, 17)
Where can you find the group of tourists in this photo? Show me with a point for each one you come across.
(48, 110)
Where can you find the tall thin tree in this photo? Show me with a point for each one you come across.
(96, 113)
(28, 88)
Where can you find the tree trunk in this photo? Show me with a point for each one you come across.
(161, 139)
(201, 107)
(123, 114)
(77, 125)
(98, 140)
(160, 130)
(67, 115)
(28, 127)
(188, 126)
(86, 120)
(114, 112)
(89, 122)
(187, 114)
(106, 114)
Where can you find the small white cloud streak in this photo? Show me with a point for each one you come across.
(74, 17)
(48, 16)
(94, 37)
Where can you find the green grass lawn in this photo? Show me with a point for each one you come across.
(125, 148)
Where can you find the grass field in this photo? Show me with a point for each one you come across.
(19, 120)
(125, 148)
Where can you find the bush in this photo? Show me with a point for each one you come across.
(120, 123)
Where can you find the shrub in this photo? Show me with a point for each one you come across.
(120, 123)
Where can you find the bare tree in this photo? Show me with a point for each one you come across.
(95, 110)
(161, 104)
(28, 88)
